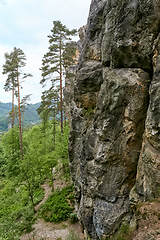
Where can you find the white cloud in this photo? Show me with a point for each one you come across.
(26, 24)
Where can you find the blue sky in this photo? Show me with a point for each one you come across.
(26, 24)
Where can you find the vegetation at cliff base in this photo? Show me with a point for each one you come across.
(21, 179)
(58, 207)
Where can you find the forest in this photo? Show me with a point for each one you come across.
(21, 179)
(35, 155)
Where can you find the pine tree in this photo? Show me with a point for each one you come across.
(10, 84)
(15, 61)
(53, 63)
(70, 56)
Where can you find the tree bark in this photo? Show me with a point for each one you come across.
(13, 115)
(61, 87)
(54, 129)
(19, 115)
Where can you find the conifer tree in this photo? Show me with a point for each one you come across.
(53, 63)
(15, 61)
(10, 84)
(70, 57)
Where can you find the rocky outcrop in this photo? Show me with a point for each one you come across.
(148, 174)
(115, 114)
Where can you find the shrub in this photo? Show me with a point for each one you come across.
(57, 208)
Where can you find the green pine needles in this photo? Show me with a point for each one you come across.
(59, 57)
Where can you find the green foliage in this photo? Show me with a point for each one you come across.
(59, 56)
(2, 163)
(57, 207)
(10, 146)
(20, 180)
(15, 215)
(38, 195)
(61, 151)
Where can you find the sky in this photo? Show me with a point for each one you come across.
(26, 24)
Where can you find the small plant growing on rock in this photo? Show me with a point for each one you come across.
(73, 218)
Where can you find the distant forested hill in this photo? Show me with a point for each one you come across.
(30, 116)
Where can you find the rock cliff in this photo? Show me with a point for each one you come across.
(115, 115)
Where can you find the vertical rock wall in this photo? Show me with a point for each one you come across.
(115, 112)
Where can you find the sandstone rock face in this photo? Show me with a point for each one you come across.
(115, 114)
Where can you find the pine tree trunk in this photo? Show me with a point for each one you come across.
(19, 115)
(13, 115)
(61, 89)
(23, 120)
(54, 129)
